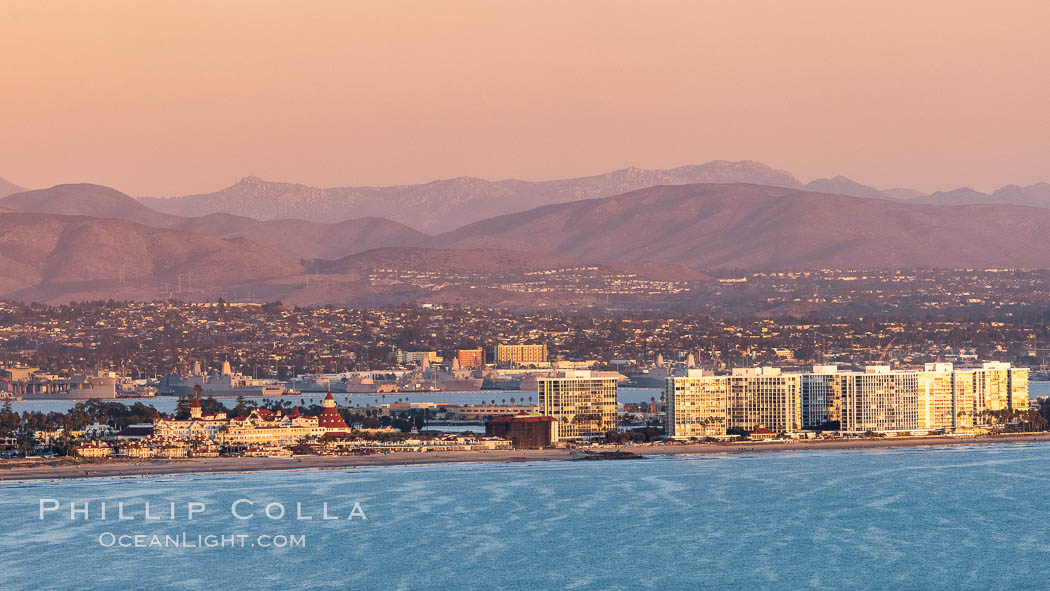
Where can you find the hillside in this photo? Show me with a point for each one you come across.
(489, 278)
(713, 226)
(57, 258)
(292, 238)
(308, 240)
(86, 199)
(841, 185)
(9, 188)
(486, 261)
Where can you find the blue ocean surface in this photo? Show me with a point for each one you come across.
(965, 517)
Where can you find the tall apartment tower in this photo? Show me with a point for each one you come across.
(937, 397)
(706, 405)
(695, 405)
(879, 400)
(1000, 387)
(819, 403)
(584, 404)
(765, 397)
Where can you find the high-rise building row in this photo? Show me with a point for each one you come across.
(878, 399)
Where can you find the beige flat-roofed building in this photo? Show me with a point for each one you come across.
(521, 354)
(769, 400)
(584, 405)
(407, 357)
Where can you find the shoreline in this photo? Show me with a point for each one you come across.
(230, 465)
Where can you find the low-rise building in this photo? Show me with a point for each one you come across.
(93, 450)
(521, 354)
(524, 431)
(470, 358)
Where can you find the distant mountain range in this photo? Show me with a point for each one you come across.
(443, 205)
(87, 241)
(1037, 195)
(446, 204)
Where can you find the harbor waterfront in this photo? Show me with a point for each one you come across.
(167, 403)
(864, 519)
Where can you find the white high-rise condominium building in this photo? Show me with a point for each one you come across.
(818, 396)
(879, 400)
(765, 398)
(695, 405)
(583, 403)
(707, 405)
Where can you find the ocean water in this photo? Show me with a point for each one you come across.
(970, 517)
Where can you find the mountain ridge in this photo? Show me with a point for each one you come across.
(49, 257)
(453, 202)
(1034, 195)
(9, 188)
(712, 226)
(293, 238)
(666, 233)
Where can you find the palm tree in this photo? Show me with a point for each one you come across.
(25, 441)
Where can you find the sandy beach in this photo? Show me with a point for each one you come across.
(12, 470)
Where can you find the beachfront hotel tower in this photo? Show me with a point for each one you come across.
(820, 405)
(764, 398)
(937, 398)
(701, 405)
(583, 403)
(878, 400)
(695, 405)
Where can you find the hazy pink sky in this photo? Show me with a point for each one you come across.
(176, 97)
